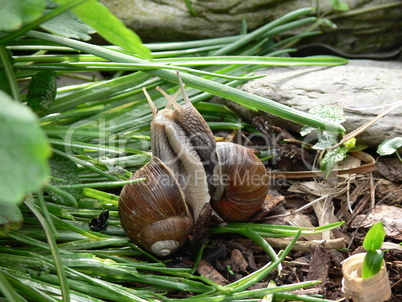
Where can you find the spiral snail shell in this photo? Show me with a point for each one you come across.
(149, 222)
(188, 170)
(243, 183)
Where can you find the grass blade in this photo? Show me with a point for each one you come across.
(53, 250)
(215, 88)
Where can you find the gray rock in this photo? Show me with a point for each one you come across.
(367, 29)
(362, 88)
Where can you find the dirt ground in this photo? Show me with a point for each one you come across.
(359, 199)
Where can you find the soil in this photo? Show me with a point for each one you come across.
(351, 198)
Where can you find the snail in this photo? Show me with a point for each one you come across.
(157, 226)
(187, 171)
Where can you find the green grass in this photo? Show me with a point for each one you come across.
(99, 134)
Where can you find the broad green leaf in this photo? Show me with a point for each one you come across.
(307, 130)
(372, 263)
(389, 146)
(42, 91)
(24, 150)
(350, 144)
(109, 27)
(68, 25)
(10, 218)
(374, 237)
(325, 140)
(332, 158)
(14, 13)
(64, 172)
(37, 22)
(330, 113)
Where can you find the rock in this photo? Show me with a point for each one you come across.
(362, 88)
(368, 29)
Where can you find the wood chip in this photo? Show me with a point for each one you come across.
(208, 271)
(238, 262)
(319, 265)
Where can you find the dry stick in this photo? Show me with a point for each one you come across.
(365, 126)
(348, 194)
(307, 174)
(306, 206)
(281, 243)
(372, 191)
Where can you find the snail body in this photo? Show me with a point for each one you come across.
(188, 170)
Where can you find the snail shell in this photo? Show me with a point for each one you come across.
(153, 212)
(188, 170)
(242, 182)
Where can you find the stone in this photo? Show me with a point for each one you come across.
(362, 88)
(370, 25)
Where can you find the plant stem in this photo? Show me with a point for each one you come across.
(106, 184)
(8, 69)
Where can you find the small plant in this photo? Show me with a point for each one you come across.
(390, 146)
(327, 139)
(365, 276)
(374, 258)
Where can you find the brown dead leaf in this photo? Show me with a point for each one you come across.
(390, 216)
(313, 188)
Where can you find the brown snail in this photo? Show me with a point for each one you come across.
(188, 170)
(159, 227)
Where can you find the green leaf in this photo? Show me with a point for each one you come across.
(68, 25)
(262, 61)
(330, 113)
(42, 91)
(374, 237)
(10, 218)
(190, 7)
(307, 130)
(389, 146)
(16, 13)
(325, 140)
(109, 27)
(332, 158)
(372, 263)
(64, 172)
(350, 144)
(6, 70)
(339, 5)
(357, 147)
(24, 150)
(37, 22)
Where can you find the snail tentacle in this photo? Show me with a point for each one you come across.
(150, 102)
